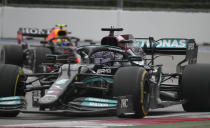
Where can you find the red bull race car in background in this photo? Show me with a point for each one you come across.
(48, 34)
(110, 79)
(33, 56)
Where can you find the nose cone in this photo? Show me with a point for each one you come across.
(47, 100)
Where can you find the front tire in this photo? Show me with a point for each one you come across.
(10, 77)
(196, 88)
(133, 81)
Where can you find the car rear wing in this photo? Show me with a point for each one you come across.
(31, 32)
(170, 46)
(34, 32)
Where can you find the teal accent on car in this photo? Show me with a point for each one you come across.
(10, 98)
(10, 102)
(99, 79)
(100, 100)
(164, 43)
(95, 104)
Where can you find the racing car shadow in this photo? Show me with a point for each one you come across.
(37, 117)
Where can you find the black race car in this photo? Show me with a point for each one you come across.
(110, 80)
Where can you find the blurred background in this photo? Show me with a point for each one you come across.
(197, 5)
(85, 18)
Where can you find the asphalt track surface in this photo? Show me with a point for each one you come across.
(164, 115)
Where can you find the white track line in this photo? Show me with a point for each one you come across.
(79, 124)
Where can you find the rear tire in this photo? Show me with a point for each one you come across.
(11, 54)
(133, 81)
(39, 58)
(10, 77)
(196, 88)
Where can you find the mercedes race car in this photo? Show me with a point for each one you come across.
(109, 79)
(31, 57)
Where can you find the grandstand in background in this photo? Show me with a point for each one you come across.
(173, 5)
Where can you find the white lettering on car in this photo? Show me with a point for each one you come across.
(102, 71)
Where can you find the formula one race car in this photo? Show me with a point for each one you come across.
(110, 80)
(59, 31)
(31, 57)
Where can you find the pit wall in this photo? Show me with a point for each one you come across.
(86, 24)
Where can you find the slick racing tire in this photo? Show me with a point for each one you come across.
(10, 77)
(133, 81)
(39, 58)
(196, 88)
(11, 54)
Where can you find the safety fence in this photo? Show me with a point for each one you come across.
(113, 4)
(86, 23)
